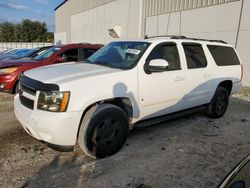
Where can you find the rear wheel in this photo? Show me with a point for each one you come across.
(218, 105)
(103, 131)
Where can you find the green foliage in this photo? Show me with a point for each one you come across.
(7, 32)
(49, 37)
(26, 31)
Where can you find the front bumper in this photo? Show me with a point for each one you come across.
(7, 83)
(58, 129)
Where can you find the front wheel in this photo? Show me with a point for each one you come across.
(103, 131)
(219, 103)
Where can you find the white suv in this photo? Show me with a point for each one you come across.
(125, 84)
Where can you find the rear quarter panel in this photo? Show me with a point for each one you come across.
(223, 73)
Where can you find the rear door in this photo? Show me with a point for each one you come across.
(198, 75)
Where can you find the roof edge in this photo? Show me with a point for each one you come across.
(60, 5)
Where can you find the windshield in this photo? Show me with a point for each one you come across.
(21, 52)
(123, 55)
(29, 53)
(12, 51)
(47, 54)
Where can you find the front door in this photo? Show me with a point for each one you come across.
(162, 92)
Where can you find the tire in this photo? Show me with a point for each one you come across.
(16, 88)
(219, 103)
(104, 130)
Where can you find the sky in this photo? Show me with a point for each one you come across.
(36, 10)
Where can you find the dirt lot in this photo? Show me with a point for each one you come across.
(192, 151)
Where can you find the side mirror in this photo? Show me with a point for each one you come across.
(58, 59)
(157, 65)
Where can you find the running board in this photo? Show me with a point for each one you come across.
(161, 119)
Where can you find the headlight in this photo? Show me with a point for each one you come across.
(53, 101)
(8, 70)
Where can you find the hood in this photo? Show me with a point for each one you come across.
(16, 62)
(67, 72)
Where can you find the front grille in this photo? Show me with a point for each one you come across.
(26, 102)
(27, 89)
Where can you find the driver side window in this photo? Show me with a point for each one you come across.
(168, 52)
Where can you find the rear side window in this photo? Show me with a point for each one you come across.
(195, 56)
(224, 55)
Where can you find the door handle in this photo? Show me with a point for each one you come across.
(206, 75)
(179, 78)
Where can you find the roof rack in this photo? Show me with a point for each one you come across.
(169, 36)
(185, 38)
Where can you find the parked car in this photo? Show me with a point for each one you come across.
(7, 51)
(17, 53)
(239, 177)
(126, 84)
(10, 70)
(34, 52)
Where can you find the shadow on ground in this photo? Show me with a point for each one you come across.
(193, 151)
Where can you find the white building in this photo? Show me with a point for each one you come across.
(96, 21)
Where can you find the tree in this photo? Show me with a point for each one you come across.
(18, 35)
(49, 37)
(7, 32)
(26, 31)
(33, 31)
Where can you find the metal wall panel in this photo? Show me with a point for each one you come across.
(92, 25)
(63, 14)
(154, 7)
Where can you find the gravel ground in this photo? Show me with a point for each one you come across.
(193, 151)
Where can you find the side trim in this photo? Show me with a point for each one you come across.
(37, 85)
(160, 119)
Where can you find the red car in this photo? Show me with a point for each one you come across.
(11, 69)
